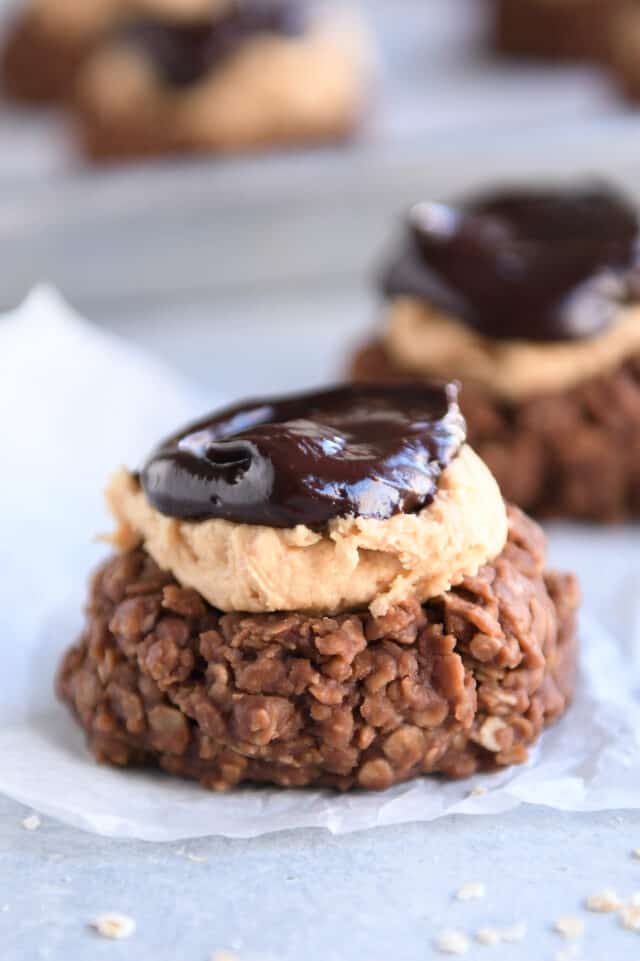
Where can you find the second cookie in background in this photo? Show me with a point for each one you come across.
(151, 77)
(530, 296)
(223, 77)
(553, 29)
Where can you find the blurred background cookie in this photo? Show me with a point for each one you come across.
(530, 297)
(47, 42)
(554, 29)
(223, 77)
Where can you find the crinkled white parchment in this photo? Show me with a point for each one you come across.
(74, 403)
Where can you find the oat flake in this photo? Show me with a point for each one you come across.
(488, 936)
(471, 891)
(114, 926)
(452, 942)
(603, 903)
(569, 927)
(31, 823)
(630, 918)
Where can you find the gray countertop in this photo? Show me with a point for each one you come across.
(377, 895)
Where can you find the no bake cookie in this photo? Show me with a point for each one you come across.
(555, 29)
(531, 298)
(48, 41)
(321, 590)
(232, 76)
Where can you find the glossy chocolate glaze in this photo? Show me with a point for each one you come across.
(367, 451)
(182, 53)
(547, 264)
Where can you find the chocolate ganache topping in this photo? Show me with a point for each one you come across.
(369, 451)
(532, 264)
(184, 52)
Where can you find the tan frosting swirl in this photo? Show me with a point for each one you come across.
(424, 340)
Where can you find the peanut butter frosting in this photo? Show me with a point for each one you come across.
(432, 343)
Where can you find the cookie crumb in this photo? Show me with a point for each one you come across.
(488, 936)
(114, 926)
(477, 791)
(452, 942)
(603, 903)
(630, 917)
(569, 927)
(471, 891)
(31, 823)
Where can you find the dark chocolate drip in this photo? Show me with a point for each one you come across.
(183, 52)
(528, 264)
(367, 451)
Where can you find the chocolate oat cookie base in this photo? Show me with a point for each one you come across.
(464, 683)
(575, 454)
(38, 67)
(554, 30)
(141, 136)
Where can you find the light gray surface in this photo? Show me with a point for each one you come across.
(377, 896)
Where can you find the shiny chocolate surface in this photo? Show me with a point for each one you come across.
(366, 451)
(532, 264)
